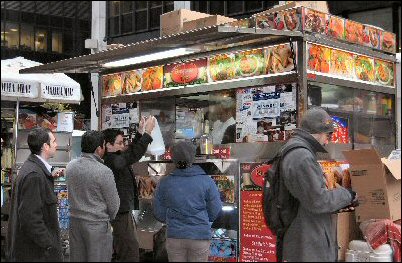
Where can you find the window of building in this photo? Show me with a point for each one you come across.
(57, 42)
(68, 47)
(232, 8)
(41, 40)
(3, 39)
(27, 37)
(11, 35)
(135, 16)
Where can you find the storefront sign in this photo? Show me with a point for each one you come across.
(257, 243)
(64, 93)
(19, 89)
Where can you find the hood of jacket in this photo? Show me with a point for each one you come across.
(309, 140)
(194, 170)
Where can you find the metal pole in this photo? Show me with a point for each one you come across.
(17, 109)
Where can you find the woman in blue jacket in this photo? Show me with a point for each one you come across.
(188, 202)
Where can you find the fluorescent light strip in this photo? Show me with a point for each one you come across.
(150, 57)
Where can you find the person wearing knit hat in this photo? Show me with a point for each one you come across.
(188, 201)
(310, 234)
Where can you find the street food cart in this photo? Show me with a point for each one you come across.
(264, 72)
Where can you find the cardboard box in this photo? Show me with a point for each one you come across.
(377, 182)
(172, 22)
(321, 6)
(347, 230)
(207, 21)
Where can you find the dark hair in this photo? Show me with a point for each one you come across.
(92, 140)
(36, 138)
(111, 134)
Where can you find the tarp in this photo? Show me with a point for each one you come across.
(52, 87)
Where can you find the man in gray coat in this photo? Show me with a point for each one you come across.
(311, 235)
(93, 201)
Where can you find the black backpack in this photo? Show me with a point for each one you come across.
(280, 207)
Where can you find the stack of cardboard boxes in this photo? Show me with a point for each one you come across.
(377, 182)
(185, 20)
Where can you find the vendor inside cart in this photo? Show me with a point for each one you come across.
(223, 114)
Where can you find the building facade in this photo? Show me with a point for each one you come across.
(47, 31)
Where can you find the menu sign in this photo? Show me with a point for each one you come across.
(258, 244)
(188, 73)
(349, 65)
(19, 89)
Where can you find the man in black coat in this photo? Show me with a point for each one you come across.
(119, 159)
(33, 232)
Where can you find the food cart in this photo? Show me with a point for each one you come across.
(266, 71)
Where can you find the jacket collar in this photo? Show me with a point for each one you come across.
(92, 156)
(190, 171)
(35, 159)
(312, 143)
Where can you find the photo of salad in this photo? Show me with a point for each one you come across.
(384, 72)
(221, 67)
(112, 85)
(342, 63)
(152, 78)
(364, 68)
(336, 27)
(319, 58)
(250, 63)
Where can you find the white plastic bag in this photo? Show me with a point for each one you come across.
(157, 147)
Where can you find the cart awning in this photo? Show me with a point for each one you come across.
(55, 87)
(201, 41)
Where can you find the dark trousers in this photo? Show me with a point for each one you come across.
(125, 240)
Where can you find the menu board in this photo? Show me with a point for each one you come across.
(29, 119)
(265, 113)
(282, 20)
(188, 73)
(339, 63)
(119, 115)
(257, 243)
(111, 84)
(152, 78)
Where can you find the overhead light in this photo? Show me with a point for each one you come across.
(150, 57)
(14, 29)
(227, 208)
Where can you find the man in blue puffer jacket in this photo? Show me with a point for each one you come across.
(188, 202)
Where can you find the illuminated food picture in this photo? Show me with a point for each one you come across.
(384, 72)
(131, 82)
(221, 67)
(185, 73)
(112, 85)
(319, 58)
(364, 68)
(336, 27)
(280, 59)
(249, 63)
(354, 32)
(342, 63)
(291, 19)
(388, 42)
(374, 36)
(152, 78)
(315, 21)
